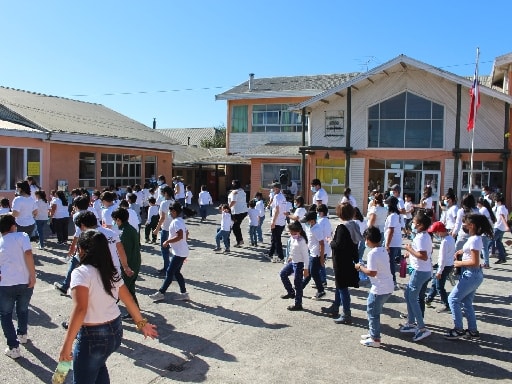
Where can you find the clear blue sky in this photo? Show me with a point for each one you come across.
(194, 50)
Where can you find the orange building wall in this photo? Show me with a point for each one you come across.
(256, 166)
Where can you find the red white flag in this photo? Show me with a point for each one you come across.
(474, 94)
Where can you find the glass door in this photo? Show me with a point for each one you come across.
(412, 185)
(392, 177)
(432, 179)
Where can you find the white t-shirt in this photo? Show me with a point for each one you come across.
(428, 203)
(300, 213)
(325, 224)
(315, 234)
(260, 207)
(254, 217)
(188, 197)
(106, 215)
(205, 198)
(422, 242)
(350, 199)
(61, 210)
(179, 190)
(393, 221)
(25, 205)
(238, 195)
(381, 214)
(378, 260)
(409, 207)
(112, 239)
(13, 246)
(42, 210)
(164, 210)
(298, 251)
(279, 201)
(226, 222)
(473, 243)
(450, 217)
(101, 307)
(484, 211)
(446, 252)
(500, 223)
(320, 195)
(179, 248)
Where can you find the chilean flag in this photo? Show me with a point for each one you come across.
(474, 94)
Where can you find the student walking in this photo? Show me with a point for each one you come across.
(378, 270)
(253, 215)
(205, 199)
(42, 215)
(151, 221)
(297, 264)
(316, 246)
(260, 207)
(224, 231)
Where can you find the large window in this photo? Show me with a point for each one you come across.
(150, 168)
(485, 173)
(332, 173)
(270, 172)
(239, 119)
(16, 163)
(87, 170)
(275, 118)
(123, 170)
(406, 121)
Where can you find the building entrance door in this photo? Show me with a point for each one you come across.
(392, 177)
(412, 185)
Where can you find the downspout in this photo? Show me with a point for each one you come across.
(347, 140)
(457, 140)
(506, 149)
(303, 154)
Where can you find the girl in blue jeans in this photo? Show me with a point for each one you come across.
(461, 297)
(419, 253)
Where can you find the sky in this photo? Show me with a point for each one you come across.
(168, 59)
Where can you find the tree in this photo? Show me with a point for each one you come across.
(217, 141)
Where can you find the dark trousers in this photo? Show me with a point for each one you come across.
(276, 244)
(298, 270)
(237, 221)
(150, 227)
(314, 272)
(61, 229)
(438, 286)
(174, 271)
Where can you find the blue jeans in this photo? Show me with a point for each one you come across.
(40, 225)
(258, 230)
(94, 344)
(224, 235)
(485, 248)
(323, 272)
(462, 295)
(374, 305)
(252, 234)
(417, 282)
(394, 253)
(14, 297)
(438, 286)
(73, 263)
(342, 297)
(174, 270)
(166, 253)
(298, 270)
(498, 236)
(314, 273)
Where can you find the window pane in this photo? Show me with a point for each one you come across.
(417, 134)
(272, 118)
(239, 118)
(437, 134)
(393, 108)
(377, 164)
(373, 133)
(258, 129)
(437, 111)
(492, 165)
(373, 112)
(34, 164)
(258, 118)
(418, 107)
(392, 134)
(431, 166)
(17, 166)
(3, 169)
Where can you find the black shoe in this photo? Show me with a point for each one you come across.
(499, 261)
(64, 324)
(343, 320)
(330, 309)
(295, 308)
(288, 296)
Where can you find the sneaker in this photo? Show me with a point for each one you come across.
(13, 353)
(60, 287)
(367, 336)
(370, 343)
(217, 249)
(403, 316)
(471, 334)
(428, 304)
(288, 296)
(275, 259)
(408, 328)
(421, 334)
(486, 266)
(454, 334)
(324, 283)
(226, 251)
(159, 296)
(24, 338)
(295, 307)
(183, 296)
(65, 324)
(443, 309)
(499, 261)
(343, 320)
(318, 295)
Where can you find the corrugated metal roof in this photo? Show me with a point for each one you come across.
(192, 155)
(292, 86)
(61, 115)
(182, 135)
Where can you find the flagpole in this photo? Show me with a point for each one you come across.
(475, 105)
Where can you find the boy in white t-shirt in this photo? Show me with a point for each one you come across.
(379, 271)
(254, 218)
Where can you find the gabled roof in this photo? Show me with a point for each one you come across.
(189, 136)
(76, 121)
(400, 63)
(192, 156)
(292, 86)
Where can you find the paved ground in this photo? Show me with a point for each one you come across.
(236, 329)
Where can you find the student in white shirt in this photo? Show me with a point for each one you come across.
(316, 246)
(204, 199)
(253, 215)
(24, 208)
(260, 207)
(152, 220)
(42, 216)
(224, 231)
(382, 287)
(500, 227)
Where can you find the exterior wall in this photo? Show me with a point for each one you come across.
(240, 142)
(256, 166)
